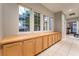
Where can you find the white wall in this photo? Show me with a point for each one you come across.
(11, 19)
(37, 7)
(63, 26)
(0, 20)
(58, 22)
(78, 25)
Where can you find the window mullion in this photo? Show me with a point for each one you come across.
(32, 21)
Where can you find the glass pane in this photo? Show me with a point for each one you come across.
(36, 21)
(35, 27)
(27, 20)
(45, 22)
(39, 22)
(50, 24)
(24, 19)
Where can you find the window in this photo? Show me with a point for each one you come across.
(24, 19)
(25, 25)
(45, 23)
(36, 21)
(51, 24)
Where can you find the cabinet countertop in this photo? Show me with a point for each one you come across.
(21, 37)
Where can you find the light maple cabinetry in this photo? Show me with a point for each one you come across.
(0, 51)
(38, 45)
(56, 37)
(45, 42)
(59, 36)
(13, 49)
(53, 39)
(29, 47)
(50, 41)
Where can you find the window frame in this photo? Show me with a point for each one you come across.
(39, 24)
(29, 19)
(31, 25)
(45, 16)
(52, 24)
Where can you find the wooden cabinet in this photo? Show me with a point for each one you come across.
(59, 36)
(13, 49)
(56, 37)
(53, 38)
(50, 42)
(45, 42)
(29, 47)
(38, 45)
(0, 51)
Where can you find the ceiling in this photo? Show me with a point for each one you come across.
(67, 8)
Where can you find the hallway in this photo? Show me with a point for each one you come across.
(67, 47)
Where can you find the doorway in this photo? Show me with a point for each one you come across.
(72, 27)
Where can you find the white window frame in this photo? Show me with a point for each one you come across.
(29, 20)
(40, 22)
(52, 25)
(47, 23)
(32, 22)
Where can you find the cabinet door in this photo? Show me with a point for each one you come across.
(53, 36)
(50, 40)
(0, 51)
(56, 37)
(45, 42)
(59, 36)
(54, 40)
(38, 45)
(13, 49)
(28, 48)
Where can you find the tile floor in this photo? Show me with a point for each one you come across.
(66, 47)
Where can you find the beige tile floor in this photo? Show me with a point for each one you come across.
(66, 47)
